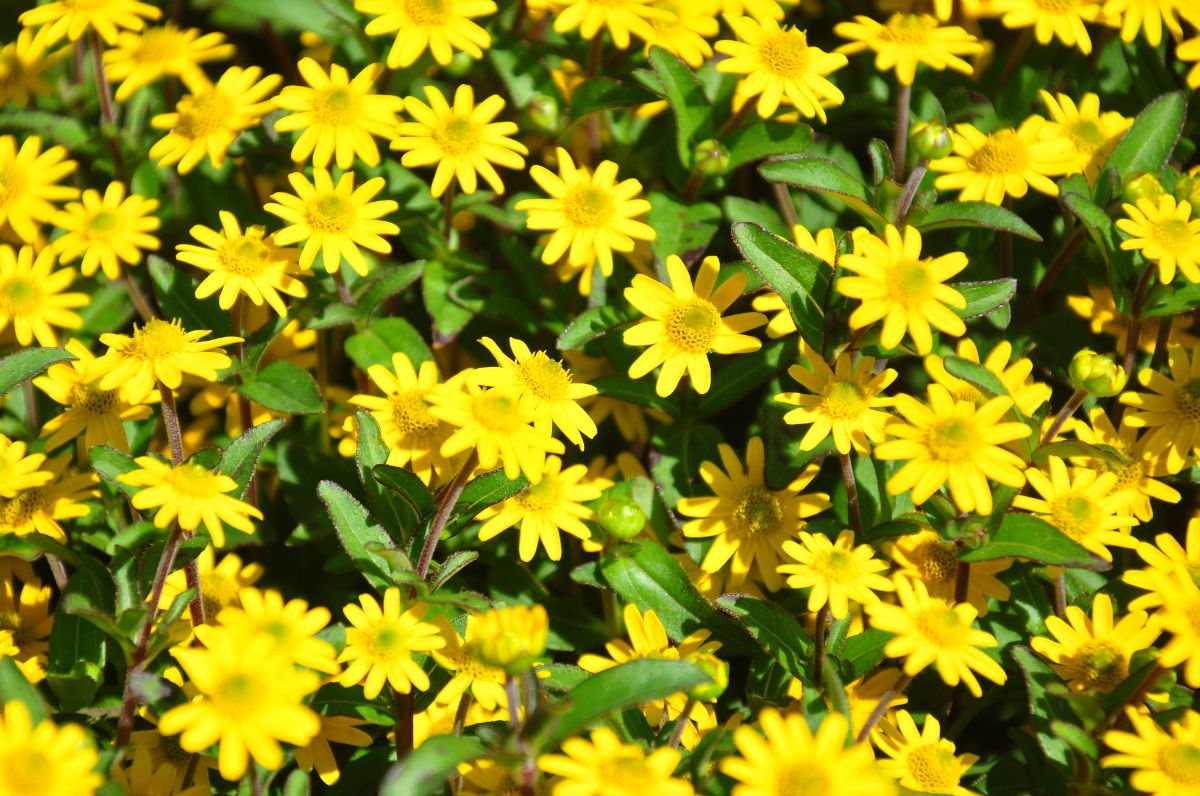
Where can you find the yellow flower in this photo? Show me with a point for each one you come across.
(780, 66)
(956, 443)
(686, 32)
(139, 59)
(319, 755)
(836, 571)
(32, 297)
(138, 775)
(107, 230)
(989, 166)
(591, 215)
(1188, 52)
(1171, 410)
(220, 584)
(19, 471)
(907, 292)
(511, 638)
(29, 177)
(925, 557)
(922, 761)
(1164, 761)
(793, 759)
(1079, 502)
(1061, 20)
(1100, 310)
(183, 773)
(604, 766)
(250, 698)
(497, 425)
(380, 643)
(461, 139)
(1094, 653)
(1165, 559)
(192, 493)
(619, 17)
(72, 18)
(1028, 396)
(1166, 234)
(906, 40)
(206, 121)
(334, 220)
(1177, 599)
(1093, 133)
(845, 401)
(44, 759)
(440, 26)
(1146, 16)
(1136, 481)
(25, 613)
(749, 521)
(242, 264)
(629, 417)
(934, 631)
(864, 695)
(23, 64)
(291, 625)
(338, 116)
(553, 504)
(38, 509)
(485, 683)
(684, 324)
(160, 351)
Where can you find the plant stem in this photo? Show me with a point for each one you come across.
(512, 690)
(820, 633)
(1118, 718)
(783, 197)
(1060, 596)
(910, 191)
(251, 184)
(962, 582)
(900, 142)
(460, 722)
(106, 103)
(140, 302)
(1162, 342)
(448, 211)
(449, 499)
(681, 724)
(245, 420)
(171, 421)
(1073, 403)
(851, 493)
(735, 121)
(880, 709)
(1131, 339)
(402, 704)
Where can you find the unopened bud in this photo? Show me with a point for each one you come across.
(1187, 189)
(541, 114)
(718, 672)
(711, 158)
(1143, 186)
(931, 140)
(621, 517)
(460, 65)
(1097, 374)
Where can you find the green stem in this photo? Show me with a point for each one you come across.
(448, 501)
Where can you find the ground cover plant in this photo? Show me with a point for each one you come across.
(599, 397)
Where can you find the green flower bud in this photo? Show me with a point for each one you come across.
(621, 517)
(711, 158)
(460, 65)
(541, 114)
(931, 140)
(511, 638)
(1143, 186)
(717, 670)
(1097, 374)
(1187, 189)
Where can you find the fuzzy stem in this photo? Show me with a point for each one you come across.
(881, 708)
(105, 93)
(1060, 596)
(402, 704)
(900, 142)
(449, 499)
(681, 724)
(140, 302)
(851, 493)
(170, 416)
(1073, 403)
(448, 211)
(512, 690)
(819, 646)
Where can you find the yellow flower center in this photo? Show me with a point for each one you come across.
(953, 440)
(1104, 666)
(1075, 514)
(103, 224)
(1128, 475)
(238, 692)
(910, 29)
(12, 184)
(934, 767)
(1173, 234)
(26, 772)
(936, 561)
(625, 774)
(757, 512)
(217, 592)
(544, 377)
(845, 400)
(278, 630)
(330, 213)
(1187, 401)
(540, 497)
(458, 136)
(1181, 763)
(691, 326)
(19, 297)
(158, 339)
(244, 256)
(17, 514)
(802, 780)
(22, 634)
(427, 12)
(908, 282)
(207, 114)
(498, 411)
(171, 750)
(1002, 153)
(1085, 134)
(193, 481)
(159, 45)
(411, 414)
(837, 566)
(785, 53)
(337, 106)
(1055, 6)
(588, 206)
(385, 640)
(942, 626)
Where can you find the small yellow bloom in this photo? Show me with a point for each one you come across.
(38, 509)
(160, 351)
(1137, 480)
(71, 18)
(1148, 17)
(439, 26)
(687, 30)
(620, 18)
(44, 759)
(221, 584)
(319, 755)
(989, 166)
(18, 470)
(922, 761)
(555, 503)
(139, 59)
(907, 40)
(1061, 20)
(1093, 133)
(1095, 653)
(483, 682)
(1165, 233)
(511, 638)
(292, 625)
(23, 64)
(1082, 504)
(25, 614)
(1171, 410)
(32, 296)
(1028, 396)
(835, 571)
(604, 766)
(924, 556)
(1165, 761)
(191, 493)
(30, 178)
(380, 643)
(107, 231)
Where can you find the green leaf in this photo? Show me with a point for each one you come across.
(824, 176)
(645, 574)
(437, 286)
(15, 688)
(1033, 538)
(75, 666)
(765, 139)
(742, 374)
(1069, 448)
(984, 298)
(479, 493)
(693, 111)
(456, 562)
(776, 631)
(17, 368)
(1151, 138)
(284, 387)
(176, 294)
(427, 769)
(1044, 708)
(32, 546)
(356, 532)
(109, 463)
(376, 344)
(593, 323)
(603, 93)
(370, 293)
(982, 215)
(681, 228)
(411, 501)
(241, 457)
(799, 277)
(639, 391)
(974, 373)
(396, 497)
(863, 652)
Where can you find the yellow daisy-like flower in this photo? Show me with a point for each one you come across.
(29, 177)
(1165, 762)
(32, 296)
(43, 758)
(511, 638)
(989, 166)
(334, 220)
(242, 264)
(206, 121)
(780, 66)
(1094, 653)
(1062, 20)
(864, 695)
(684, 324)
(590, 214)
(484, 682)
(497, 425)
(1171, 410)
(619, 17)
(71, 18)
(191, 494)
(1178, 612)
(1079, 502)
(925, 557)
(793, 759)
(292, 625)
(221, 584)
(749, 522)
(604, 766)
(935, 631)
(20, 471)
(160, 351)
(107, 231)
(1136, 478)
(39, 509)
(318, 753)
(1093, 133)
(139, 59)
(688, 29)
(380, 643)
(907, 40)
(907, 292)
(955, 443)
(836, 571)
(1147, 17)
(86, 409)
(553, 504)
(250, 698)
(439, 26)
(23, 63)
(25, 614)
(1165, 233)
(922, 761)
(461, 139)
(844, 401)
(338, 115)
(1164, 559)
(1028, 396)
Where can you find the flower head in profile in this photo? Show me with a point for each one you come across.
(1092, 132)
(19, 469)
(1164, 760)
(44, 758)
(555, 503)
(926, 557)
(141, 58)
(603, 765)
(835, 571)
(1171, 408)
(461, 139)
(1063, 20)
(620, 18)
(160, 351)
(921, 760)
(780, 66)
(1094, 653)
(685, 323)
(191, 494)
(381, 641)
(511, 638)
(337, 115)
(33, 298)
(26, 616)
(30, 178)
(437, 26)
(1166, 234)
(23, 65)
(72, 19)
(906, 40)
(989, 166)
(107, 230)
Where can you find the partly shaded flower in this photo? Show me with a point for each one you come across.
(439, 26)
(139, 59)
(990, 166)
(1094, 653)
(107, 230)
(906, 40)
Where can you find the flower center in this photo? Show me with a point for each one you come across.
(540, 497)
(159, 45)
(837, 566)
(498, 411)
(1104, 666)
(1181, 763)
(1187, 401)
(91, 400)
(385, 640)
(952, 440)
(1173, 234)
(844, 401)
(158, 339)
(1128, 475)
(785, 53)
(692, 325)
(1003, 153)
(544, 377)
(193, 481)
(910, 29)
(19, 297)
(801, 780)
(171, 750)
(458, 136)
(758, 512)
(12, 184)
(205, 115)
(1075, 514)
(908, 281)
(17, 514)
(588, 206)
(625, 774)
(337, 106)
(330, 213)
(411, 414)
(239, 692)
(937, 561)
(103, 224)
(1085, 134)
(26, 772)
(934, 767)
(217, 592)
(427, 12)
(278, 630)
(942, 626)
(244, 256)
(21, 633)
